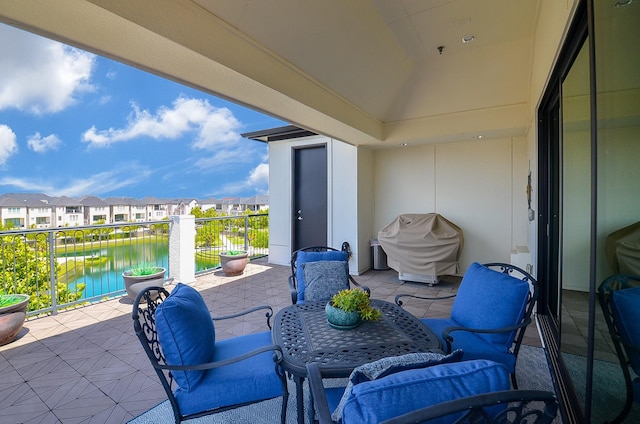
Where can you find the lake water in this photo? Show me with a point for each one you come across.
(105, 277)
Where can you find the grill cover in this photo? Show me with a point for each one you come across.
(623, 250)
(422, 244)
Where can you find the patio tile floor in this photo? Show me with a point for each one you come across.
(87, 366)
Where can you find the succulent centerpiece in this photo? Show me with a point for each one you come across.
(349, 307)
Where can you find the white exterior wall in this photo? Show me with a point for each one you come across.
(474, 184)
(98, 211)
(35, 213)
(17, 212)
(478, 185)
(342, 193)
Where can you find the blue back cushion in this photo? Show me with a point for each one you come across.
(490, 299)
(625, 305)
(186, 333)
(304, 257)
(406, 391)
(323, 279)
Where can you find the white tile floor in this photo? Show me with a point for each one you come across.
(86, 365)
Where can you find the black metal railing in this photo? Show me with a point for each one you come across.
(69, 266)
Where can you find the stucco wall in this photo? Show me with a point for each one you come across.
(473, 184)
(342, 202)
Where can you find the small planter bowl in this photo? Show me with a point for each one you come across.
(134, 284)
(341, 320)
(12, 318)
(233, 265)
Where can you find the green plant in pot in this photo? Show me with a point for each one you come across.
(13, 312)
(349, 307)
(142, 276)
(233, 262)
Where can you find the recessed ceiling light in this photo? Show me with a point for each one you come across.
(478, 137)
(622, 3)
(468, 38)
(404, 144)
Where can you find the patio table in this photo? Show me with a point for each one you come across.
(305, 336)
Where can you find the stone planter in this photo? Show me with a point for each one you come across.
(134, 284)
(233, 265)
(341, 320)
(12, 318)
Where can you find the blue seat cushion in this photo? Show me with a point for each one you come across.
(186, 333)
(473, 346)
(387, 366)
(304, 257)
(625, 306)
(251, 380)
(406, 391)
(323, 279)
(490, 299)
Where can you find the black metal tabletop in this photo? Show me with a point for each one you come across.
(305, 336)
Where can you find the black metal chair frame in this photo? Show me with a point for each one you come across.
(524, 406)
(143, 315)
(610, 284)
(521, 327)
(293, 283)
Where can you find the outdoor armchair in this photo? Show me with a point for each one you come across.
(319, 272)
(522, 406)
(619, 298)
(402, 389)
(202, 375)
(489, 315)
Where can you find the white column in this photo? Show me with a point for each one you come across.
(182, 248)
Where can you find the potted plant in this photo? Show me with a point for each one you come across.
(233, 262)
(142, 276)
(13, 312)
(349, 307)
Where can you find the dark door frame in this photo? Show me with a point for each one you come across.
(295, 151)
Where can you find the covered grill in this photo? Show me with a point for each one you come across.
(422, 247)
(623, 250)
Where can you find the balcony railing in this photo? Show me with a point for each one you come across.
(64, 267)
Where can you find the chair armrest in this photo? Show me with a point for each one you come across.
(360, 286)
(277, 358)
(399, 302)
(472, 408)
(293, 290)
(268, 315)
(318, 396)
(448, 338)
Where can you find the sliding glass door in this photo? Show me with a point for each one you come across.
(589, 167)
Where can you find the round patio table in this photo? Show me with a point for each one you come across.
(305, 336)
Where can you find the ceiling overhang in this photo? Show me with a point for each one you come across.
(375, 90)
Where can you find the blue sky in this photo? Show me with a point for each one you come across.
(74, 124)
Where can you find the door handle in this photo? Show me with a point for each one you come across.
(300, 218)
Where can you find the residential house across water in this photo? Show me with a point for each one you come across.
(37, 210)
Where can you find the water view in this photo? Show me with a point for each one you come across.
(102, 274)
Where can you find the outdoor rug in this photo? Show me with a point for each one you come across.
(532, 372)
(609, 391)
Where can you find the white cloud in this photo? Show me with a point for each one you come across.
(40, 144)
(8, 145)
(222, 159)
(259, 176)
(40, 75)
(257, 182)
(101, 183)
(213, 126)
(25, 184)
